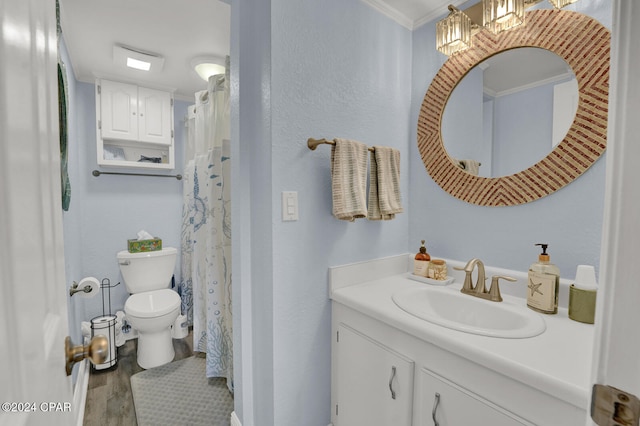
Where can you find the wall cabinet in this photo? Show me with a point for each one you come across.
(134, 126)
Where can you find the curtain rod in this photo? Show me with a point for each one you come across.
(313, 144)
(97, 173)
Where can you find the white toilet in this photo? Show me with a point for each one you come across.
(153, 306)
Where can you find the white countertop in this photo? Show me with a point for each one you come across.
(557, 362)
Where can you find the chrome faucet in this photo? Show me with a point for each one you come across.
(479, 290)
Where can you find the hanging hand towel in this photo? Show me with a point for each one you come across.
(349, 179)
(384, 184)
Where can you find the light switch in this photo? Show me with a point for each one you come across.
(289, 205)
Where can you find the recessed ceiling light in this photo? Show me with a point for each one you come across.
(139, 65)
(137, 59)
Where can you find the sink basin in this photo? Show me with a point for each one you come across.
(449, 308)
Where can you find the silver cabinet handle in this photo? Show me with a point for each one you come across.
(435, 408)
(125, 262)
(393, 375)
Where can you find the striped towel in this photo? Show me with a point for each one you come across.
(384, 184)
(349, 179)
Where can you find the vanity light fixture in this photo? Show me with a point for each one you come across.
(206, 66)
(137, 59)
(501, 15)
(559, 4)
(453, 33)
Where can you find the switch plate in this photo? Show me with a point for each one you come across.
(289, 206)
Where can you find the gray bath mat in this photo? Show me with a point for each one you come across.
(178, 393)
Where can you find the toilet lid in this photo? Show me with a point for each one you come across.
(152, 303)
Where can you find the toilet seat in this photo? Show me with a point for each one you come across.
(152, 304)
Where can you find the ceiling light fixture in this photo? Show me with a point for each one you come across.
(206, 66)
(137, 59)
(501, 15)
(453, 33)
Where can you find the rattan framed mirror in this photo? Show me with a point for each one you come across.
(584, 44)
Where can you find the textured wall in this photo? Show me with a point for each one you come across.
(336, 69)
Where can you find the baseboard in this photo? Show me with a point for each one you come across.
(80, 391)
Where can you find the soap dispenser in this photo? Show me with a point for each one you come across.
(421, 262)
(543, 284)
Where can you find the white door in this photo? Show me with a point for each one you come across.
(118, 110)
(617, 318)
(34, 388)
(448, 404)
(155, 123)
(375, 383)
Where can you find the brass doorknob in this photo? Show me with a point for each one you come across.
(97, 351)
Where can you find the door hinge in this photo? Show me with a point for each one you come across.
(99, 124)
(337, 336)
(172, 133)
(99, 89)
(171, 101)
(614, 407)
(336, 409)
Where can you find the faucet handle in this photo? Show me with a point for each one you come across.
(494, 290)
(467, 286)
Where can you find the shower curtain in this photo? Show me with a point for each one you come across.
(205, 286)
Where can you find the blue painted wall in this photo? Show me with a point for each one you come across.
(324, 70)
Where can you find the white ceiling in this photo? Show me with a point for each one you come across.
(178, 31)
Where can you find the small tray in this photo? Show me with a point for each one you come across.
(430, 281)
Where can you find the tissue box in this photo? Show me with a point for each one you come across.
(137, 246)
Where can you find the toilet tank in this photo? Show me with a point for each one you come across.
(147, 271)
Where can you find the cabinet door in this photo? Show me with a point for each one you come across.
(453, 405)
(155, 123)
(374, 383)
(119, 110)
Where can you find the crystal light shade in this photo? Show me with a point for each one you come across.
(501, 15)
(453, 33)
(559, 4)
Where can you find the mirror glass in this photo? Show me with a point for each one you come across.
(510, 111)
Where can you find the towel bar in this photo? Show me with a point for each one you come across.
(313, 144)
(97, 173)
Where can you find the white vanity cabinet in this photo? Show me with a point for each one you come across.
(442, 402)
(133, 123)
(374, 383)
(365, 349)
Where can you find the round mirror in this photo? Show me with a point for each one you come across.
(580, 41)
(517, 106)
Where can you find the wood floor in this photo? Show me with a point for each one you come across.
(109, 398)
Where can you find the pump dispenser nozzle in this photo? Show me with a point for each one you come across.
(543, 257)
